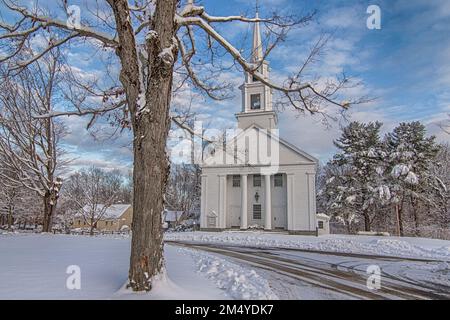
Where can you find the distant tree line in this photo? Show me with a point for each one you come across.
(184, 189)
(396, 183)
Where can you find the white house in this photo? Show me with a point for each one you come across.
(258, 180)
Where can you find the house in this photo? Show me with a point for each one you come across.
(172, 218)
(257, 179)
(117, 217)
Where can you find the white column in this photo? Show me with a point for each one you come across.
(244, 202)
(290, 201)
(268, 202)
(222, 201)
(312, 201)
(204, 203)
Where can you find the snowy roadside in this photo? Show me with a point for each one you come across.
(241, 283)
(371, 245)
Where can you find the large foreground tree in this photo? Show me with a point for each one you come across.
(154, 41)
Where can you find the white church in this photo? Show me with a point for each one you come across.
(257, 180)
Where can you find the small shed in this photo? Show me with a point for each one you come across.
(323, 224)
(172, 218)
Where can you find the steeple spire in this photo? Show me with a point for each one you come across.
(257, 50)
(257, 105)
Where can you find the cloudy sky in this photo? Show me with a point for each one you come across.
(405, 65)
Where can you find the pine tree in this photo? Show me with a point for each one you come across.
(440, 191)
(358, 187)
(410, 157)
(333, 185)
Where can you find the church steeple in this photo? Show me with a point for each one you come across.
(257, 50)
(256, 96)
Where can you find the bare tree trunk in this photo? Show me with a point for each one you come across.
(49, 209)
(414, 207)
(91, 229)
(349, 227)
(400, 219)
(366, 221)
(10, 218)
(151, 165)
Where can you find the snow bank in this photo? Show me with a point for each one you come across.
(238, 282)
(392, 246)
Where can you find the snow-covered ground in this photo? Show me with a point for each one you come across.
(371, 245)
(239, 282)
(33, 266)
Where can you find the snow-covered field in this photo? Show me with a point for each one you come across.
(371, 245)
(33, 266)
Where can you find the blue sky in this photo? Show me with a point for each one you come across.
(406, 65)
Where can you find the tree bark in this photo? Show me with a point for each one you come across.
(366, 222)
(349, 227)
(150, 127)
(49, 209)
(400, 219)
(10, 218)
(414, 205)
(91, 229)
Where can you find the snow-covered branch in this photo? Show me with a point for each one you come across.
(45, 22)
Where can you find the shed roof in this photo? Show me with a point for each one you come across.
(114, 211)
(323, 216)
(172, 216)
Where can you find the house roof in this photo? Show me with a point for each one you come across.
(323, 216)
(115, 211)
(172, 216)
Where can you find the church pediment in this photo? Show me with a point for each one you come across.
(256, 146)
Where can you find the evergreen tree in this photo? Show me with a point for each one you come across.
(440, 192)
(333, 187)
(358, 189)
(410, 158)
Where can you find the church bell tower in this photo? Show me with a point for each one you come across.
(256, 96)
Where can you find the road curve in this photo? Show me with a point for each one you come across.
(346, 281)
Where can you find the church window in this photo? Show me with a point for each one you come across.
(236, 181)
(257, 212)
(320, 224)
(257, 180)
(278, 180)
(255, 101)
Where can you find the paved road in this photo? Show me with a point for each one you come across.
(307, 274)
